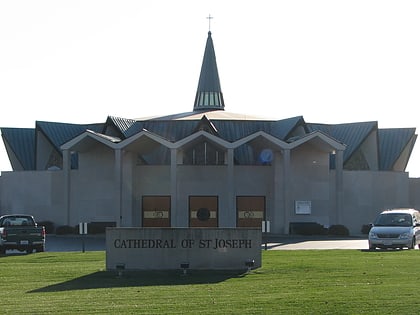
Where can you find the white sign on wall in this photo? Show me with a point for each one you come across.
(303, 207)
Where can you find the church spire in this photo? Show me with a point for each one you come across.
(209, 94)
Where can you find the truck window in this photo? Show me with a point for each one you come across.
(17, 221)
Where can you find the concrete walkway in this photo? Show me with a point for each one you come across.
(305, 244)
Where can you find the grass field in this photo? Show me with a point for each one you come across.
(290, 282)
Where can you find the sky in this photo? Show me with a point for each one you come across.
(329, 61)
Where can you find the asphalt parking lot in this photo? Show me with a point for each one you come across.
(73, 243)
(56, 243)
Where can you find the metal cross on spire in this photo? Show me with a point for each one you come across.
(209, 18)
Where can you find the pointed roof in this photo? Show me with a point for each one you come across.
(209, 94)
(393, 142)
(20, 147)
(351, 134)
(60, 133)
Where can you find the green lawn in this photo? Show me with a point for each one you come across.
(290, 282)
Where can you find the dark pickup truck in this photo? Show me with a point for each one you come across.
(20, 232)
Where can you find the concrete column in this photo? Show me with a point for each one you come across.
(275, 215)
(174, 192)
(118, 187)
(229, 217)
(66, 182)
(286, 190)
(338, 185)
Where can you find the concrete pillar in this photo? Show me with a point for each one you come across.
(276, 215)
(287, 206)
(338, 185)
(118, 187)
(174, 192)
(228, 217)
(66, 179)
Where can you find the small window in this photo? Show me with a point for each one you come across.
(204, 154)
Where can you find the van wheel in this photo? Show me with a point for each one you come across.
(413, 243)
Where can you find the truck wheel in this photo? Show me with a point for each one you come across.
(40, 249)
(2, 250)
(29, 250)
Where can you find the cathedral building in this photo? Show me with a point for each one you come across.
(208, 168)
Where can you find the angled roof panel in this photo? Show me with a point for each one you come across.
(22, 142)
(122, 124)
(391, 144)
(229, 130)
(351, 134)
(235, 130)
(60, 133)
(172, 130)
(283, 128)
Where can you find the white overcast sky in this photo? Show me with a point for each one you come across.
(328, 61)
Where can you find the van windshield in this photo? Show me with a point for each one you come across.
(394, 219)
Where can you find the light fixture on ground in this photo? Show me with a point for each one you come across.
(120, 268)
(249, 263)
(184, 267)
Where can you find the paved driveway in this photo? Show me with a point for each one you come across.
(305, 244)
(74, 243)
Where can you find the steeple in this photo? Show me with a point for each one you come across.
(209, 94)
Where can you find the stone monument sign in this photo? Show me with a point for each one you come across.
(175, 248)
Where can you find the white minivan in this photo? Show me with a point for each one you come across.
(396, 228)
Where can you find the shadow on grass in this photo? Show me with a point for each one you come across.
(111, 279)
(384, 250)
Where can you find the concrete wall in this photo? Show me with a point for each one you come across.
(31, 192)
(94, 200)
(310, 180)
(367, 193)
(414, 186)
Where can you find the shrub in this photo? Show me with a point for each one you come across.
(48, 225)
(307, 228)
(366, 228)
(99, 227)
(338, 230)
(65, 229)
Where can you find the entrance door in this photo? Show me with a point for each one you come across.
(250, 211)
(156, 211)
(203, 211)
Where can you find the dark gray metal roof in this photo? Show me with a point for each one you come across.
(391, 141)
(391, 144)
(60, 133)
(22, 142)
(172, 130)
(351, 134)
(122, 124)
(229, 130)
